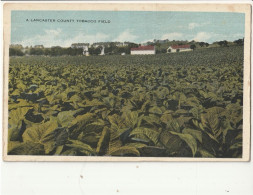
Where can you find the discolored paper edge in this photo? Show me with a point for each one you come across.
(210, 7)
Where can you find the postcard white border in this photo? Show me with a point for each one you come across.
(161, 6)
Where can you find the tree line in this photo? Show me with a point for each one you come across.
(54, 51)
(59, 51)
(111, 49)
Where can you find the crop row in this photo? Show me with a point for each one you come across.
(174, 105)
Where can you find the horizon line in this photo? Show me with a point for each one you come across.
(100, 42)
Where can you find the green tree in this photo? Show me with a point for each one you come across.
(201, 44)
(131, 45)
(36, 51)
(15, 52)
(193, 46)
(47, 52)
(223, 43)
(95, 51)
(239, 42)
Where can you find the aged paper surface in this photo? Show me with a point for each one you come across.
(126, 82)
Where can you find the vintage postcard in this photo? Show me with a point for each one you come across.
(127, 82)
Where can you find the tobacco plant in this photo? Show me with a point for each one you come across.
(167, 105)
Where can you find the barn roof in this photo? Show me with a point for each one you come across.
(180, 46)
(149, 47)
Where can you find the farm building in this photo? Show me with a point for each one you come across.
(179, 48)
(84, 46)
(102, 51)
(143, 50)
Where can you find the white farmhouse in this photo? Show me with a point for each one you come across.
(178, 48)
(102, 51)
(143, 50)
(84, 46)
(86, 51)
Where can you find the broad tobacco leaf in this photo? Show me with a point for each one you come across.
(205, 153)
(27, 148)
(155, 110)
(21, 103)
(103, 143)
(189, 139)
(39, 134)
(81, 147)
(124, 150)
(211, 119)
(132, 119)
(21, 86)
(195, 133)
(65, 118)
(17, 115)
(171, 142)
(116, 121)
(151, 134)
(16, 124)
(79, 124)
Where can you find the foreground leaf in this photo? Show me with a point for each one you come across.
(124, 150)
(151, 134)
(103, 142)
(40, 134)
(195, 133)
(28, 148)
(189, 139)
(82, 147)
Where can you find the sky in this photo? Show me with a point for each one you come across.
(134, 26)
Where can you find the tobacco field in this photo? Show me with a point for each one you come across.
(166, 105)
